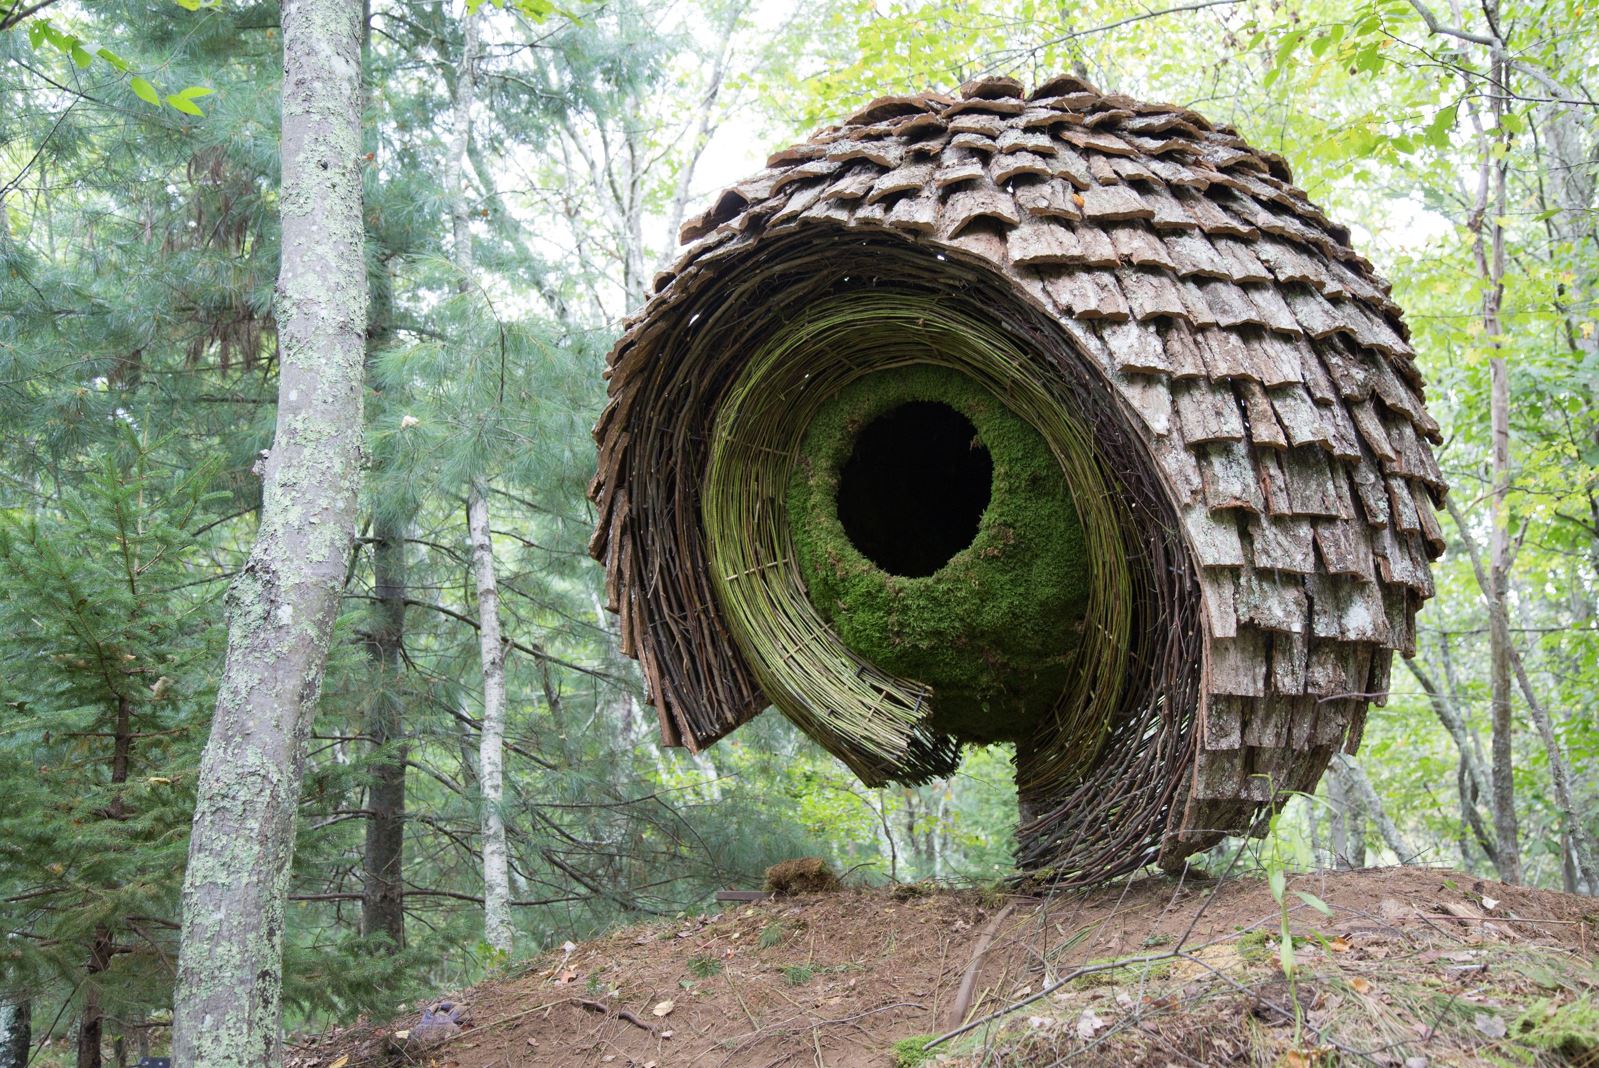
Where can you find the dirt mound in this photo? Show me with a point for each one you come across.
(1400, 966)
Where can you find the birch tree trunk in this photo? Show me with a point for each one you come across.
(491, 650)
(227, 1009)
(491, 740)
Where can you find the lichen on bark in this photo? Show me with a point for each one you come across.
(227, 1009)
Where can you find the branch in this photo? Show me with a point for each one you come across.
(14, 17)
(1434, 26)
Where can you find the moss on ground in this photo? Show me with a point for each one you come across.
(991, 633)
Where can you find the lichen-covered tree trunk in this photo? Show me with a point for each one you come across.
(491, 741)
(16, 1032)
(227, 1007)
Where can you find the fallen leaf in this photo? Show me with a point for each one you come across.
(1338, 945)
(663, 1007)
(568, 947)
(1087, 1024)
(1489, 1024)
(1489, 902)
(1361, 985)
(341, 1062)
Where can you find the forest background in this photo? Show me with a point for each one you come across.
(526, 169)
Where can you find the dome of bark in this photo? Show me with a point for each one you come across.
(1244, 375)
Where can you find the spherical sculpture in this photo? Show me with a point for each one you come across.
(1056, 418)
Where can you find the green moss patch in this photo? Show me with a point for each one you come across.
(992, 632)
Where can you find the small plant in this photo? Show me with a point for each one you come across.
(798, 974)
(772, 934)
(594, 985)
(705, 967)
(911, 1052)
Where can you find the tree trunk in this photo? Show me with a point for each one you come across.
(1473, 782)
(16, 1027)
(383, 861)
(383, 853)
(1491, 264)
(491, 650)
(491, 740)
(1338, 820)
(227, 1008)
(1357, 786)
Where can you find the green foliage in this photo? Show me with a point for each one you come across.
(703, 967)
(799, 974)
(106, 689)
(912, 1052)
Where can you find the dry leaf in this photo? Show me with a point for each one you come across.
(1361, 985)
(1489, 1024)
(1088, 1023)
(341, 1062)
(1489, 902)
(664, 1007)
(1338, 945)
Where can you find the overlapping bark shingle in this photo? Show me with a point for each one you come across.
(1265, 362)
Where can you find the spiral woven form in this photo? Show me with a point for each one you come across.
(1224, 383)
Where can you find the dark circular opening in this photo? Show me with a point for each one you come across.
(914, 488)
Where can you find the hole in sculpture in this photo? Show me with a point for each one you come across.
(914, 489)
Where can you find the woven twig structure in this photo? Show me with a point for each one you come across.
(1244, 379)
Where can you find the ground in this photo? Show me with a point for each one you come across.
(1406, 966)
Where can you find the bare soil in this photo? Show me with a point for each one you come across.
(1408, 967)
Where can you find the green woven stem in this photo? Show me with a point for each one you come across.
(881, 721)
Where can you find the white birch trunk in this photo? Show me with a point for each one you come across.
(491, 741)
(228, 1001)
(491, 650)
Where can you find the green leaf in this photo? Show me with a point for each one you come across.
(36, 33)
(1285, 49)
(1314, 902)
(1285, 952)
(1279, 883)
(112, 58)
(145, 91)
(80, 55)
(1442, 125)
(184, 105)
(195, 91)
(189, 5)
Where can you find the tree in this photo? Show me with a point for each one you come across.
(282, 606)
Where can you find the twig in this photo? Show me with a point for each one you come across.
(621, 1014)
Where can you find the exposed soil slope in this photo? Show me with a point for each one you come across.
(1411, 967)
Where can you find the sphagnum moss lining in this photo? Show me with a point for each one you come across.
(994, 630)
(878, 721)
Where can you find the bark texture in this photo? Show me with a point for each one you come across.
(227, 1007)
(16, 1033)
(383, 867)
(491, 740)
